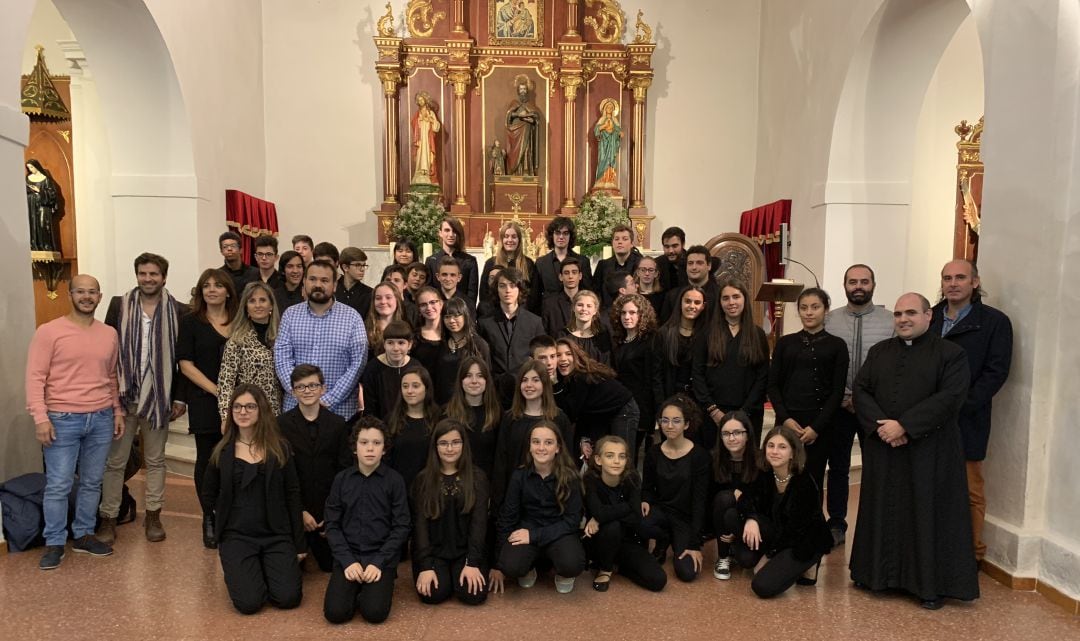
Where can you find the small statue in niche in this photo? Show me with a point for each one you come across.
(522, 131)
(489, 243)
(497, 156)
(42, 201)
(608, 132)
(425, 129)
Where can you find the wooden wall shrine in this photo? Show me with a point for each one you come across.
(469, 58)
(969, 182)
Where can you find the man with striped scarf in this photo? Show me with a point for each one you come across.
(147, 320)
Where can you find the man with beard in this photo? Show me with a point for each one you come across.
(697, 263)
(914, 529)
(325, 334)
(861, 324)
(673, 267)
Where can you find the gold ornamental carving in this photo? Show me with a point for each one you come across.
(546, 68)
(609, 28)
(459, 78)
(390, 78)
(515, 201)
(640, 59)
(483, 68)
(571, 82)
(643, 31)
(970, 142)
(412, 62)
(639, 227)
(66, 133)
(592, 67)
(391, 53)
(385, 25)
(421, 18)
(640, 85)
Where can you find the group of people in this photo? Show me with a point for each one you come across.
(500, 422)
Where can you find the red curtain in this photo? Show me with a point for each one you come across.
(250, 217)
(762, 224)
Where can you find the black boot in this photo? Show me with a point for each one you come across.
(209, 539)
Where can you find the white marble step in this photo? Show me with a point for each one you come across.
(180, 448)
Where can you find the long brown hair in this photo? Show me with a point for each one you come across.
(593, 370)
(428, 486)
(669, 332)
(563, 467)
(458, 409)
(547, 399)
(459, 230)
(646, 317)
(629, 474)
(266, 437)
(198, 303)
(398, 415)
(798, 450)
(374, 332)
(751, 460)
(517, 259)
(753, 348)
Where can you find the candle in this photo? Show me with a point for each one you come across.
(428, 250)
(608, 253)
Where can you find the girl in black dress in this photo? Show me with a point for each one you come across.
(593, 399)
(450, 501)
(784, 521)
(542, 514)
(675, 340)
(410, 424)
(736, 467)
(647, 277)
(200, 344)
(633, 321)
(675, 489)
(613, 507)
(252, 489)
(386, 306)
(459, 340)
(429, 336)
(476, 404)
(807, 380)
(586, 327)
(731, 368)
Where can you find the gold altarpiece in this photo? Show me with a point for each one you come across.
(561, 64)
(969, 184)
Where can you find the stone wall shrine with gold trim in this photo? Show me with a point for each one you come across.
(513, 109)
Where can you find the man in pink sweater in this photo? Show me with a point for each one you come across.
(72, 394)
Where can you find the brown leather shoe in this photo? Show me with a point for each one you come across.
(154, 530)
(107, 530)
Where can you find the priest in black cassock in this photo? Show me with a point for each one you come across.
(914, 527)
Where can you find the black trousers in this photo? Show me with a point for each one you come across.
(344, 597)
(204, 447)
(447, 574)
(726, 521)
(845, 427)
(668, 529)
(260, 570)
(779, 573)
(566, 554)
(614, 544)
(817, 453)
(319, 549)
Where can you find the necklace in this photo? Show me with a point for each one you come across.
(247, 443)
(781, 481)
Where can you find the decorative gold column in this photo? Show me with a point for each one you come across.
(390, 78)
(570, 83)
(572, 21)
(459, 16)
(459, 79)
(640, 86)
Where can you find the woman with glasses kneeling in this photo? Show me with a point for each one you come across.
(785, 521)
(252, 488)
(450, 500)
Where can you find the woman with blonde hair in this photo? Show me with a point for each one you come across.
(510, 252)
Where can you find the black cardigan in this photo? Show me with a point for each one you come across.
(807, 378)
(283, 503)
(794, 517)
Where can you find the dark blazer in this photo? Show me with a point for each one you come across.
(283, 504)
(532, 301)
(507, 356)
(608, 265)
(986, 335)
(470, 274)
(317, 461)
(549, 267)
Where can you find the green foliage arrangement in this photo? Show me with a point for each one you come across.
(418, 220)
(597, 216)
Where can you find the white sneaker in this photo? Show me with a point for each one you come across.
(564, 585)
(528, 580)
(722, 569)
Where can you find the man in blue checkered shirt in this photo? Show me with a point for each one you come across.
(326, 334)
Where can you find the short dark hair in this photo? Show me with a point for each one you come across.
(394, 267)
(699, 249)
(398, 329)
(284, 259)
(541, 340)
(153, 259)
(622, 227)
(822, 295)
(303, 238)
(674, 231)
(616, 280)
(367, 422)
(319, 263)
(304, 370)
(570, 260)
(266, 241)
(873, 278)
(513, 276)
(229, 235)
(555, 225)
(417, 267)
(326, 249)
(447, 261)
(351, 255)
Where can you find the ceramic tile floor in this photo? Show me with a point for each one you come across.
(173, 590)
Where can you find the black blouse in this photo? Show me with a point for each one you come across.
(604, 503)
(453, 535)
(482, 443)
(639, 371)
(511, 444)
(248, 514)
(807, 378)
(409, 448)
(531, 503)
(198, 342)
(680, 486)
(367, 518)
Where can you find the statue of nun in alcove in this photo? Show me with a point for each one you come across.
(42, 200)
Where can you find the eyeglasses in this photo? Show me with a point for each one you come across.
(734, 434)
(449, 445)
(244, 407)
(647, 270)
(671, 421)
(264, 254)
(562, 232)
(308, 387)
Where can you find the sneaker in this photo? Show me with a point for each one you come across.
(564, 585)
(722, 569)
(89, 545)
(54, 554)
(528, 580)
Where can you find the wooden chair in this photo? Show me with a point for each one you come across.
(740, 258)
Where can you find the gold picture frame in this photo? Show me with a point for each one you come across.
(516, 22)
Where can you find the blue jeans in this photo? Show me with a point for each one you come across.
(82, 439)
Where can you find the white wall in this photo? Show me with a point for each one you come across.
(955, 93)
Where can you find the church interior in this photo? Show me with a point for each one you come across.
(865, 118)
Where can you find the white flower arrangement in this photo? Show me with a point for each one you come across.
(418, 220)
(597, 217)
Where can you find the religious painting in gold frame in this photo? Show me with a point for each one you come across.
(516, 22)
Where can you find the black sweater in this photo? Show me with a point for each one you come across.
(794, 517)
(640, 372)
(453, 535)
(621, 503)
(731, 384)
(511, 444)
(680, 486)
(807, 378)
(320, 451)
